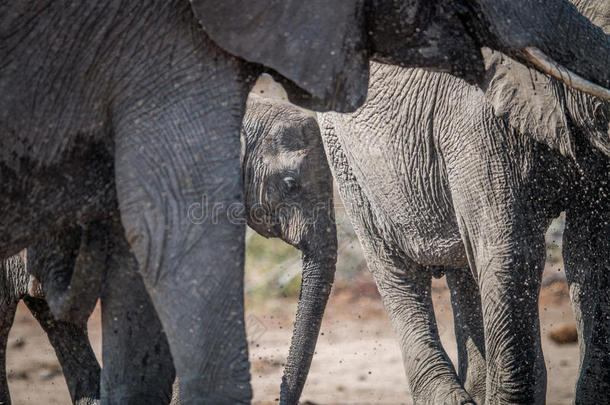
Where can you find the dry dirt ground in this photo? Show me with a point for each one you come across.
(357, 361)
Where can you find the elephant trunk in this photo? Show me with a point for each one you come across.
(318, 275)
(552, 36)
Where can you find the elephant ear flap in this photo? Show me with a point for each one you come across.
(317, 46)
(527, 101)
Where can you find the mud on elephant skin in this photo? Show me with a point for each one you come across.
(139, 92)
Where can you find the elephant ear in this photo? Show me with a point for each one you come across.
(527, 101)
(317, 46)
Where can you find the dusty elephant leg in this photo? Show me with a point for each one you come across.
(179, 187)
(193, 272)
(468, 324)
(138, 366)
(586, 253)
(7, 315)
(502, 228)
(509, 271)
(507, 254)
(405, 289)
(406, 294)
(71, 344)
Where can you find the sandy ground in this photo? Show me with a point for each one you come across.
(34, 374)
(357, 361)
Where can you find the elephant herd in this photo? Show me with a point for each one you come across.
(131, 159)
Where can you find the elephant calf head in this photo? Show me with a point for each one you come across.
(288, 194)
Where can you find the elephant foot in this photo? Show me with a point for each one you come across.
(87, 401)
(455, 397)
(476, 392)
(442, 390)
(443, 394)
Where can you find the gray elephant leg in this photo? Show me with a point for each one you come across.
(587, 262)
(179, 188)
(509, 270)
(7, 315)
(503, 236)
(405, 289)
(406, 294)
(468, 325)
(138, 366)
(71, 344)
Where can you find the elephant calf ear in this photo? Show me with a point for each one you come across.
(315, 44)
(528, 101)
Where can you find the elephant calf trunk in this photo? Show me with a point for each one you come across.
(318, 276)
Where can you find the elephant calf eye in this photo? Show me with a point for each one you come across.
(290, 184)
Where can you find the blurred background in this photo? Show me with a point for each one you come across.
(357, 359)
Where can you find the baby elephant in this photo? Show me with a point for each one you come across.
(287, 194)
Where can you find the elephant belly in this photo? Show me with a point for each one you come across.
(37, 200)
(405, 182)
(422, 229)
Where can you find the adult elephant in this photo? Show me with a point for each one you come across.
(138, 91)
(577, 126)
(288, 194)
(437, 173)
